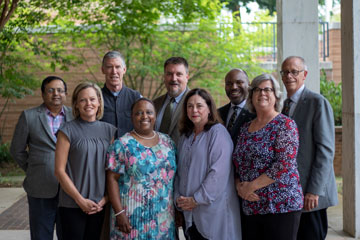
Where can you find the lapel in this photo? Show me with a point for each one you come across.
(224, 112)
(158, 103)
(301, 103)
(44, 122)
(177, 113)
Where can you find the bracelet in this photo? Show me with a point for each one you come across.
(116, 214)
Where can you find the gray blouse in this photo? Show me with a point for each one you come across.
(89, 142)
(205, 172)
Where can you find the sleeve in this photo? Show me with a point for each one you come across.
(19, 143)
(115, 157)
(65, 129)
(219, 167)
(324, 140)
(285, 148)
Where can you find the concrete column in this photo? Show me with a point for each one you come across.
(297, 34)
(350, 54)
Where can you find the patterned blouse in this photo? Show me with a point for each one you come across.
(271, 150)
(146, 187)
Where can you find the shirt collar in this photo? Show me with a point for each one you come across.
(295, 98)
(240, 105)
(48, 112)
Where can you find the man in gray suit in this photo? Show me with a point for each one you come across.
(168, 106)
(314, 117)
(33, 148)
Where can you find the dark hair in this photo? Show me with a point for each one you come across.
(50, 79)
(177, 60)
(139, 100)
(186, 125)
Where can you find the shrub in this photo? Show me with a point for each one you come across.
(5, 153)
(333, 93)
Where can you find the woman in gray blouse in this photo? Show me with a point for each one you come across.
(204, 185)
(80, 165)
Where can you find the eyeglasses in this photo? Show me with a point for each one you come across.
(292, 72)
(52, 90)
(259, 90)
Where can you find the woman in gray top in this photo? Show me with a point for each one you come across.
(80, 165)
(204, 184)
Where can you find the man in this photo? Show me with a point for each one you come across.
(33, 148)
(117, 97)
(235, 114)
(314, 118)
(168, 106)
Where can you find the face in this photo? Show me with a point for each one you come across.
(87, 103)
(175, 79)
(54, 94)
(293, 83)
(143, 117)
(197, 110)
(236, 86)
(264, 99)
(114, 72)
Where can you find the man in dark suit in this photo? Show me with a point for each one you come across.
(168, 106)
(33, 148)
(314, 117)
(235, 114)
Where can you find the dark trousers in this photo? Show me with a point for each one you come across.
(77, 225)
(280, 226)
(193, 234)
(313, 225)
(43, 215)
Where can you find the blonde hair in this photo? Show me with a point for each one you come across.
(75, 95)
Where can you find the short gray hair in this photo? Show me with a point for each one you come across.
(302, 60)
(114, 54)
(256, 82)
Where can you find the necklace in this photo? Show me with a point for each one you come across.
(147, 138)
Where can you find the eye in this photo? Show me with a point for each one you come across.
(149, 112)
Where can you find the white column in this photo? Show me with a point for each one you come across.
(297, 34)
(350, 55)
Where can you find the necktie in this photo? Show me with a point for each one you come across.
(233, 118)
(166, 120)
(286, 108)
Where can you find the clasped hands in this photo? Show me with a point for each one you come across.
(186, 203)
(246, 191)
(90, 207)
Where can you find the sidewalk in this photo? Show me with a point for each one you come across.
(14, 223)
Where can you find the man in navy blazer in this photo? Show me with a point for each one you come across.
(33, 148)
(236, 88)
(314, 117)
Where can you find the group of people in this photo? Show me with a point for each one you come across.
(120, 166)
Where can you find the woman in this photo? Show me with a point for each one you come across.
(204, 188)
(265, 162)
(80, 165)
(141, 170)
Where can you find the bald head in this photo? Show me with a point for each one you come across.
(236, 85)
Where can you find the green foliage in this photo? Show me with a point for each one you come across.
(333, 93)
(5, 156)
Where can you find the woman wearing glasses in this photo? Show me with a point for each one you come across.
(267, 178)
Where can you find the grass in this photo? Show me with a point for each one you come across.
(11, 175)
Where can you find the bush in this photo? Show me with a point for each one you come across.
(5, 153)
(333, 93)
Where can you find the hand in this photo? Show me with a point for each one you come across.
(88, 206)
(246, 191)
(186, 203)
(310, 201)
(103, 201)
(123, 224)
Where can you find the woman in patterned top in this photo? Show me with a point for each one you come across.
(267, 178)
(141, 170)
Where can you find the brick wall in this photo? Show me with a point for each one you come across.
(335, 50)
(338, 151)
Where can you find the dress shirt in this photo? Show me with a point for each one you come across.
(295, 98)
(55, 121)
(231, 110)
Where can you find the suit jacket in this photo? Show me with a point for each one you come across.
(314, 117)
(243, 117)
(174, 128)
(33, 148)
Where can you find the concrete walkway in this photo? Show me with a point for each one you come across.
(14, 217)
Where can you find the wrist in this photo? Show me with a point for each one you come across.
(120, 212)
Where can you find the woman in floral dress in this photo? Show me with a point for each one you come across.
(141, 170)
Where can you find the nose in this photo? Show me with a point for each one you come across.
(234, 86)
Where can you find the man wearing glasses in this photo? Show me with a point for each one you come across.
(33, 148)
(314, 117)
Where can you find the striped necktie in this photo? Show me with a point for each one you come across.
(233, 118)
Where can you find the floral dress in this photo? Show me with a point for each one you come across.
(146, 186)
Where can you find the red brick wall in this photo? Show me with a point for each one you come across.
(338, 151)
(335, 53)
